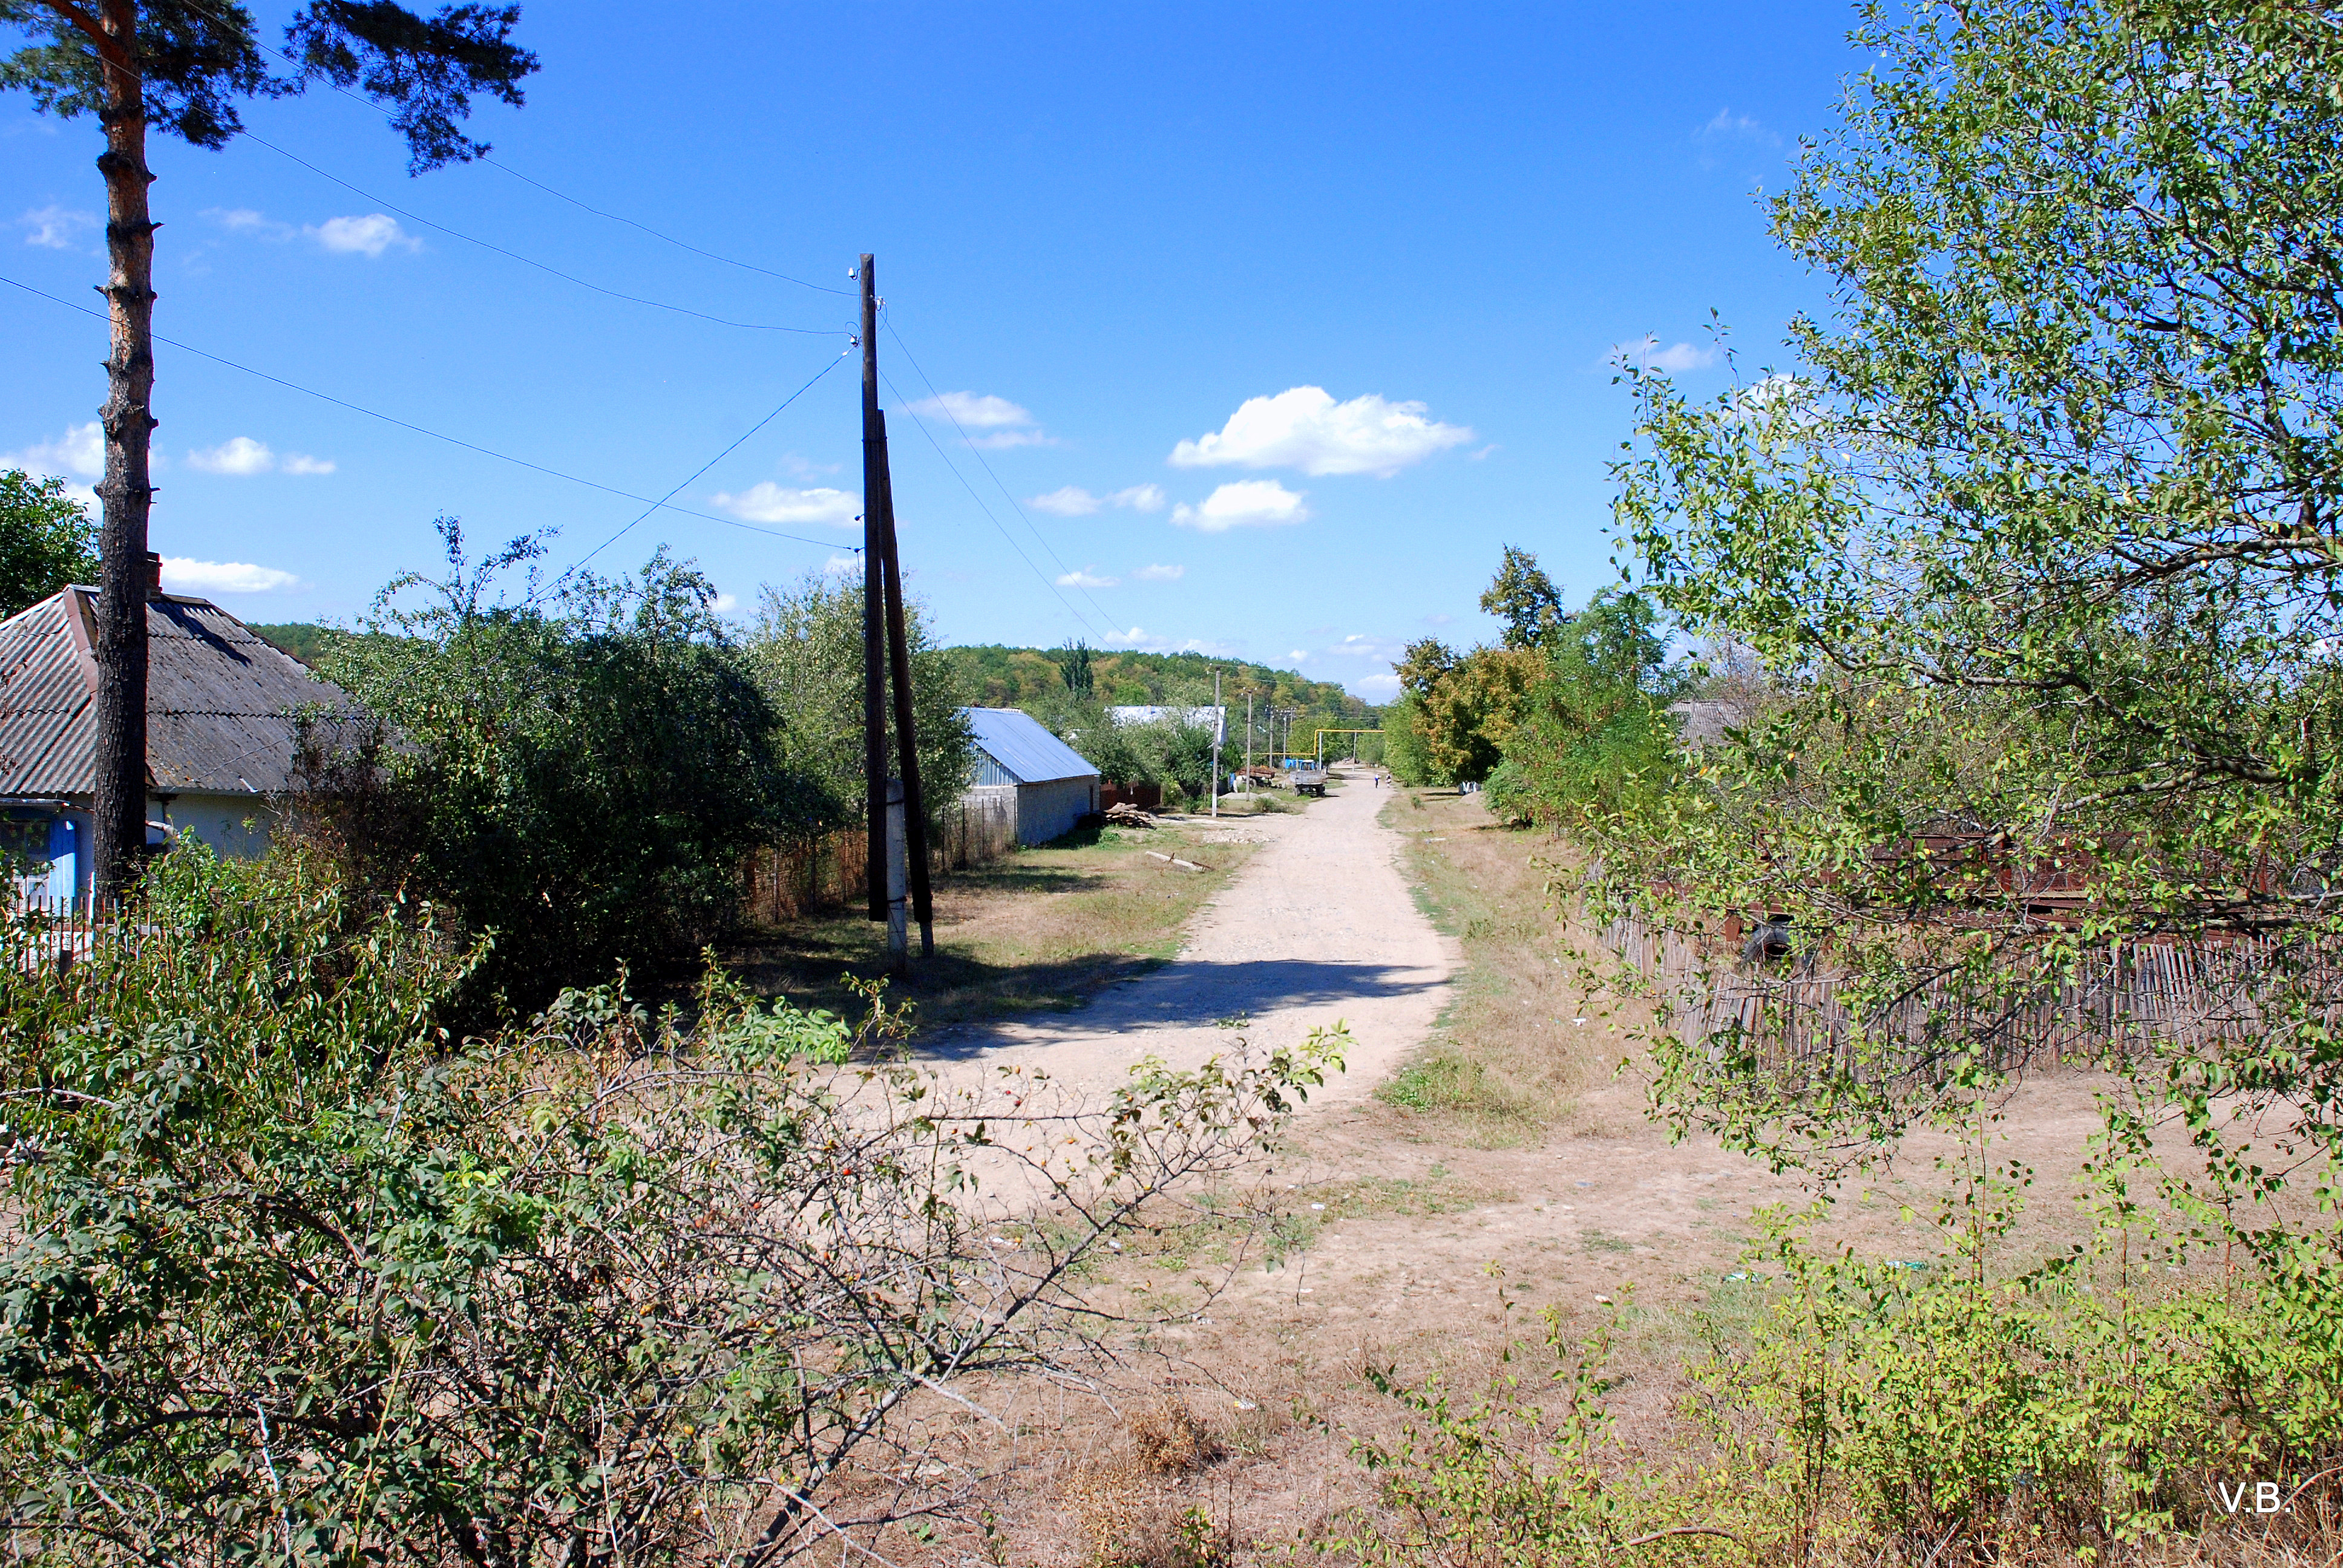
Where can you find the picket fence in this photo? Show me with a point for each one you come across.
(786, 880)
(2140, 996)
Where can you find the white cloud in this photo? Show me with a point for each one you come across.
(1739, 127)
(1299, 657)
(770, 503)
(724, 604)
(245, 220)
(1141, 639)
(224, 577)
(1676, 356)
(1087, 578)
(1073, 501)
(1375, 686)
(839, 565)
(238, 455)
(55, 228)
(369, 236)
(242, 456)
(971, 410)
(1303, 428)
(1246, 503)
(1154, 574)
(1009, 424)
(1356, 646)
(80, 452)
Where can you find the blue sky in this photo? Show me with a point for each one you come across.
(1275, 321)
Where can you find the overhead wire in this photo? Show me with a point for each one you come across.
(937, 400)
(656, 233)
(442, 436)
(357, 97)
(711, 462)
(530, 261)
(1009, 538)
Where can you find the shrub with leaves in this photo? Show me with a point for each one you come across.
(296, 1275)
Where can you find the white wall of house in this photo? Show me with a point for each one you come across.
(1047, 812)
(237, 827)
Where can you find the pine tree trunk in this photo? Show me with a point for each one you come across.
(121, 786)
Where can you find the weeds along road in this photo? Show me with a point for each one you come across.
(1319, 926)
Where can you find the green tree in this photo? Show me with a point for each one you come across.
(2037, 540)
(1075, 664)
(1594, 736)
(46, 540)
(805, 648)
(1524, 599)
(181, 66)
(579, 774)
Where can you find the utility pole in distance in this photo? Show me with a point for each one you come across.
(1216, 743)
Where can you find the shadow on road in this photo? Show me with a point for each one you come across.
(1194, 992)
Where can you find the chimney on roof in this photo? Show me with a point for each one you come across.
(153, 575)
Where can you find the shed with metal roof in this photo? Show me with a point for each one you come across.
(224, 708)
(1055, 787)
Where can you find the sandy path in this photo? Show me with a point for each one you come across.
(1318, 926)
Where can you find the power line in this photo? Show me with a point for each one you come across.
(711, 462)
(989, 517)
(938, 399)
(541, 267)
(436, 435)
(656, 233)
(526, 179)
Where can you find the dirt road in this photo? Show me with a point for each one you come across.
(1318, 927)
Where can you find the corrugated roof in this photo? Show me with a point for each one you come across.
(220, 700)
(1025, 750)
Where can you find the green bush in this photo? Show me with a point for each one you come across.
(579, 774)
(296, 1275)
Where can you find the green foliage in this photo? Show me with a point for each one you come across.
(305, 641)
(196, 60)
(579, 774)
(1530, 1473)
(1593, 737)
(46, 540)
(295, 1273)
(1075, 664)
(2034, 550)
(805, 649)
(1524, 599)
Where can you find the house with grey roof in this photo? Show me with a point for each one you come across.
(1055, 787)
(223, 714)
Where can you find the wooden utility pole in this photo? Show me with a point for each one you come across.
(906, 731)
(874, 647)
(898, 808)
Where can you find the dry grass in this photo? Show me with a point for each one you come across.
(1040, 931)
(1509, 1058)
(1136, 1508)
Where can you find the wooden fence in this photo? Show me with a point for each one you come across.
(2141, 996)
(784, 881)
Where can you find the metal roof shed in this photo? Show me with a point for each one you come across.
(1055, 787)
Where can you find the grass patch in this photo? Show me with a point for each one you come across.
(1506, 1058)
(1042, 930)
